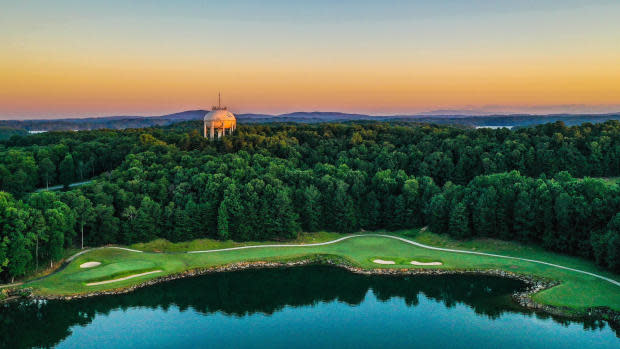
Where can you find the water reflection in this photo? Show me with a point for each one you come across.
(45, 324)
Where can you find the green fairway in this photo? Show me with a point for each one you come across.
(577, 291)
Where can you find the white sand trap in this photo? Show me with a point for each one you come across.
(121, 279)
(90, 264)
(381, 261)
(422, 263)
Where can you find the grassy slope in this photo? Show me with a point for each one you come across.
(577, 291)
(161, 245)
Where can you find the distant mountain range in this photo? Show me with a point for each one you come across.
(437, 117)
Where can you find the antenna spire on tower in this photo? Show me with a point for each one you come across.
(219, 100)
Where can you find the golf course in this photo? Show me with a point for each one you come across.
(581, 284)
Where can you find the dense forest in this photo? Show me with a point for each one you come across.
(272, 181)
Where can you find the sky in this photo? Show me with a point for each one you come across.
(85, 58)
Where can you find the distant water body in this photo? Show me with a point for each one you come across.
(306, 307)
(494, 127)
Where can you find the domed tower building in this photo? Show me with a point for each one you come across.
(219, 121)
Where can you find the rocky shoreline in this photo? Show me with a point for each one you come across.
(522, 298)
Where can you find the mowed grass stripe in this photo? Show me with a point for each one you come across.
(123, 278)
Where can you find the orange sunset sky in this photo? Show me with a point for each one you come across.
(74, 59)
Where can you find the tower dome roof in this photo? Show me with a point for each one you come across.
(219, 115)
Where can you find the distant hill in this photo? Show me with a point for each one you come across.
(120, 122)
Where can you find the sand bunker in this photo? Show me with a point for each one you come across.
(90, 265)
(423, 263)
(381, 261)
(121, 279)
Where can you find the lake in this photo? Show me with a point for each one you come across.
(305, 307)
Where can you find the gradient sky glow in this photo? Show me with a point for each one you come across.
(78, 58)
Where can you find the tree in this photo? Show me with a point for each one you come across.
(613, 243)
(356, 138)
(413, 208)
(47, 170)
(439, 215)
(19, 256)
(38, 229)
(484, 213)
(182, 225)
(59, 222)
(459, 222)
(558, 239)
(399, 218)
(129, 225)
(598, 241)
(524, 218)
(83, 210)
(104, 228)
(4, 259)
(344, 217)
(311, 214)
(234, 209)
(66, 171)
(286, 225)
(147, 219)
(13, 221)
(222, 221)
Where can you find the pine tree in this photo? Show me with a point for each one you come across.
(344, 216)
(222, 221)
(234, 210)
(613, 243)
(285, 217)
(399, 218)
(148, 219)
(459, 222)
(311, 214)
(439, 216)
(524, 218)
(182, 225)
(484, 214)
(66, 171)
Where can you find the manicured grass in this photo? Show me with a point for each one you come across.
(576, 291)
(161, 245)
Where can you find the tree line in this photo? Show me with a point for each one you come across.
(272, 181)
(43, 160)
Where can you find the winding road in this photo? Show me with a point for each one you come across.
(617, 283)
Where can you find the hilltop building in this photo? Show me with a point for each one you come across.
(219, 121)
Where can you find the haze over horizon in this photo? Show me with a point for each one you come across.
(74, 59)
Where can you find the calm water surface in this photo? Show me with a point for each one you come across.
(309, 307)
